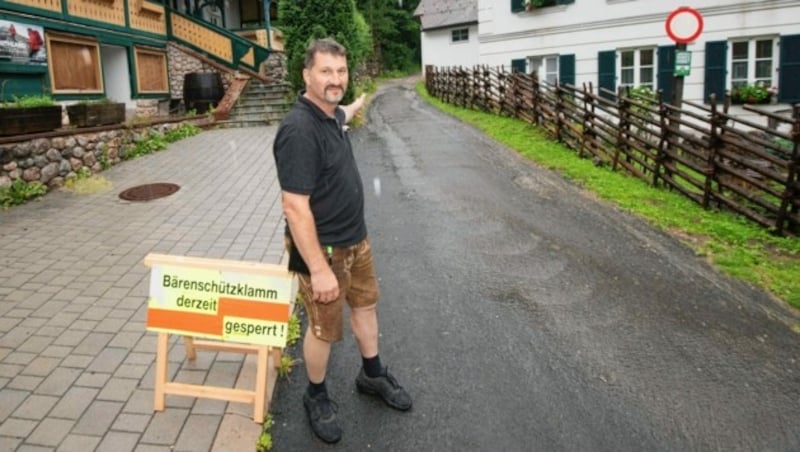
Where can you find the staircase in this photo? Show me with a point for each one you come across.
(259, 104)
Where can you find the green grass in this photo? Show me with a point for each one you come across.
(732, 244)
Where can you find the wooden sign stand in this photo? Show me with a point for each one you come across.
(268, 356)
(265, 380)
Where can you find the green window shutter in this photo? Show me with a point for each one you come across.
(716, 69)
(517, 6)
(666, 71)
(789, 64)
(566, 69)
(607, 72)
(520, 65)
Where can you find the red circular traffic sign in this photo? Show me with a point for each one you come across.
(684, 25)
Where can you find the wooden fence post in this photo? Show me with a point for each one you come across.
(714, 143)
(623, 129)
(792, 190)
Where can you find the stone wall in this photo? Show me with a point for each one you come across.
(275, 67)
(52, 160)
(180, 64)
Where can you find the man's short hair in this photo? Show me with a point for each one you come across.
(325, 45)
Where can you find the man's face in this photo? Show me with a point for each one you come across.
(326, 80)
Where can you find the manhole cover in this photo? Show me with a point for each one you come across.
(149, 191)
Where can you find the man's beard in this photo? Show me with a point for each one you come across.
(333, 98)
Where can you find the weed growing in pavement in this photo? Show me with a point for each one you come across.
(286, 365)
(293, 332)
(20, 192)
(264, 443)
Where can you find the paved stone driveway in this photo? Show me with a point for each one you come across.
(76, 363)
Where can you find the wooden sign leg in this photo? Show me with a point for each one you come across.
(191, 353)
(261, 383)
(161, 372)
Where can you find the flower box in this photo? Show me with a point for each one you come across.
(24, 120)
(96, 114)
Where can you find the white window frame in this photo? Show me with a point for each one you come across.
(751, 62)
(539, 64)
(638, 68)
(458, 35)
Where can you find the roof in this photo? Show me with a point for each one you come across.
(444, 13)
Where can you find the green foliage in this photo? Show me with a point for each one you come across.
(20, 192)
(155, 142)
(29, 102)
(733, 244)
(186, 130)
(757, 93)
(264, 443)
(303, 22)
(293, 333)
(286, 365)
(395, 34)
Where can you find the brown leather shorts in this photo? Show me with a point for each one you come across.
(358, 286)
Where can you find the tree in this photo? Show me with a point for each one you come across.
(395, 34)
(304, 21)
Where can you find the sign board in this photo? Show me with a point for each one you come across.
(683, 63)
(684, 25)
(22, 43)
(218, 299)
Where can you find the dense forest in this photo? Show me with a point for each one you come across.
(381, 36)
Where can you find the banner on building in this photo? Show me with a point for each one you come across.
(22, 43)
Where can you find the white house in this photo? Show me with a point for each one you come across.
(613, 43)
(449, 32)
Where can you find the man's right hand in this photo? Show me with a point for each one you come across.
(324, 285)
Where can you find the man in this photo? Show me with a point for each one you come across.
(323, 200)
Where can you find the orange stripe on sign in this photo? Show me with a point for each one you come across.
(248, 309)
(184, 321)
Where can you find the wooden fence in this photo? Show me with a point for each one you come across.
(702, 151)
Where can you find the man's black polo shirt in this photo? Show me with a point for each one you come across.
(314, 157)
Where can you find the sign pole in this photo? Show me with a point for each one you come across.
(677, 89)
(683, 26)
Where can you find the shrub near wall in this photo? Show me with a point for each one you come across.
(53, 160)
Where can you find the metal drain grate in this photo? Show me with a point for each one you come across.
(148, 192)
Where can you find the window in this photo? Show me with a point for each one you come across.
(752, 62)
(460, 34)
(546, 67)
(151, 70)
(75, 64)
(637, 68)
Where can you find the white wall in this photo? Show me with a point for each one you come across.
(588, 26)
(438, 50)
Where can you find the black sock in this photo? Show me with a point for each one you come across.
(316, 388)
(372, 366)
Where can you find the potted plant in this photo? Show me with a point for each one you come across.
(29, 114)
(757, 93)
(96, 113)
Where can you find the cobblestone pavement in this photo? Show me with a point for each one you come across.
(76, 363)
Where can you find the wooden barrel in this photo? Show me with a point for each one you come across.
(202, 90)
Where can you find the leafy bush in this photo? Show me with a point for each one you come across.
(19, 192)
(29, 102)
(156, 142)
